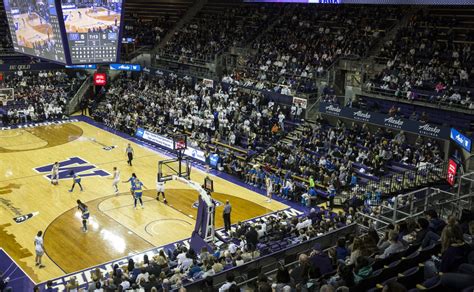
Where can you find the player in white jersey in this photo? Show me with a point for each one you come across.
(39, 249)
(160, 189)
(268, 183)
(116, 179)
(55, 174)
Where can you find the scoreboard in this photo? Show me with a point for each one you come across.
(92, 30)
(67, 31)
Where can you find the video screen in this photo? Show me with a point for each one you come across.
(92, 29)
(34, 28)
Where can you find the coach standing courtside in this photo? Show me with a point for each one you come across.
(129, 152)
(226, 215)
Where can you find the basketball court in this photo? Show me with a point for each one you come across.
(31, 29)
(82, 19)
(116, 229)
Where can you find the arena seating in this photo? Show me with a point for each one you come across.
(447, 116)
(146, 32)
(290, 47)
(5, 41)
(423, 252)
(277, 236)
(38, 96)
(205, 117)
(293, 50)
(429, 60)
(322, 153)
(218, 26)
(148, 10)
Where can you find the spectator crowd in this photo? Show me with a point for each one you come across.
(34, 96)
(425, 62)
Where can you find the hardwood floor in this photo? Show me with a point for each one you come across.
(116, 229)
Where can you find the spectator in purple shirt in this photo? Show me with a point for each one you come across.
(320, 260)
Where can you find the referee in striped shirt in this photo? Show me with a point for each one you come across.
(129, 152)
(226, 215)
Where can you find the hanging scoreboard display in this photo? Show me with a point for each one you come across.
(92, 30)
(65, 31)
(35, 29)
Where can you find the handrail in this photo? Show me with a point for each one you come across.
(380, 93)
(75, 101)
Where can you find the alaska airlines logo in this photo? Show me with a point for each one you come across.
(80, 166)
(362, 115)
(430, 130)
(393, 122)
(333, 109)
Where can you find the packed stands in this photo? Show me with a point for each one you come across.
(294, 52)
(218, 26)
(353, 157)
(320, 250)
(146, 32)
(37, 96)
(429, 60)
(349, 247)
(209, 116)
(147, 22)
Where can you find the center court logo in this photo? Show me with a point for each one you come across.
(80, 166)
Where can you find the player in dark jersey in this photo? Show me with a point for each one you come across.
(85, 214)
(76, 180)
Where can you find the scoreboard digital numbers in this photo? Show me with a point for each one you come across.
(92, 30)
(66, 31)
(34, 27)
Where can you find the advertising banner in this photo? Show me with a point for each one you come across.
(125, 67)
(430, 130)
(460, 139)
(168, 144)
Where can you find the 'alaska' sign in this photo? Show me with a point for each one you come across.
(384, 120)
